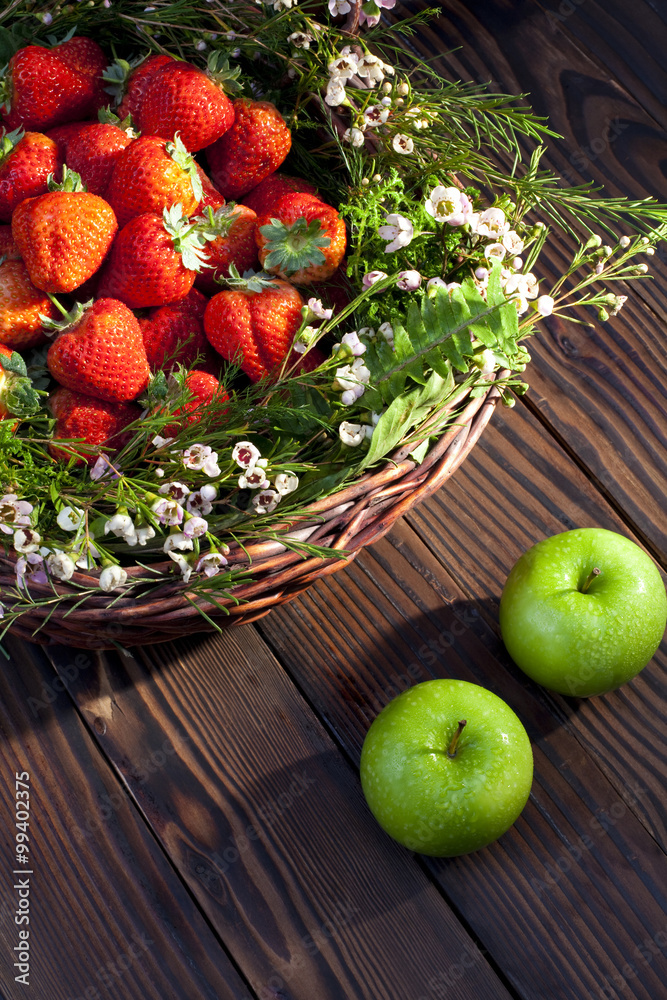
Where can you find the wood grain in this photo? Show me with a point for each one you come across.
(109, 917)
(266, 825)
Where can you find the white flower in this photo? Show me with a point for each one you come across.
(300, 39)
(352, 341)
(69, 518)
(436, 283)
(26, 540)
(13, 512)
(618, 305)
(337, 7)
(177, 540)
(512, 242)
(266, 501)
(408, 281)
(245, 454)
(372, 277)
(285, 483)
(201, 456)
(354, 136)
(545, 305)
(386, 330)
(121, 525)
(168, 511)
(60, 565)
(351, 434)
(402, 144)
(282, 4)
(112, 577)
(399, 230)
(335, 94)
(254, 479)
(448, 204)
(522, 284)
(161, 442)
(492, 223)
(33, 561)
(372, 68)
(352, 378)
(195, 527)
(183, 565)
(494, 251)
(199, 502)
(482, 276)
(624, 242)
(344, 66)
(318, 310)
(176, 491)
(144, 533)
(375, 115)
(211, 563)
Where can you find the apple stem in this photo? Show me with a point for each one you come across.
(451, 749)
(589, 579)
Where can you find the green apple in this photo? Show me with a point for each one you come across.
(583, 612)
(446, 767)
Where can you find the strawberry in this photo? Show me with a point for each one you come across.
(94, 151)
(303, 239)
(152, 174)
(207, 394)
(137, 82)
(85, 55)
(20, 307)
(254, 329)
(210, 194)
(26, 160)
(17, 396)
(153, 260)
(263, 198)
(182, 98)
(8, 247)
(62, 134)
(40, 90)
(101, 353)
(63, 235)
(84, 418)
(175, 333)
(255, 146)
(234, 243)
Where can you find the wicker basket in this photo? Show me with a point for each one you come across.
(350, 519)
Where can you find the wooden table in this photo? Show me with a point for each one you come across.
(198, 830)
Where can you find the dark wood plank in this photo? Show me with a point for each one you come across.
(109, 917)
(266, 824)
(381, 626)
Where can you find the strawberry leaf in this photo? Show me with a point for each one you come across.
(184, 159)
(188, 238)
(14, 364)
(292, 248)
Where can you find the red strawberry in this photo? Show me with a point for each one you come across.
(63, 236)
(41, 91)
(137, 82)
(175, 333)
(303, 239)
(234, 243)
(8, 247)
(26, 160)
(20, 307)
(85, 55)
(62, 134)
(153, 260)
(206, 392)
(182, 98)
(210, 194)
(95, 421)
(17, 396)
(254, 329)
(102, 354)
(255, 146)
(263, 198)
(94, 151)
(153, 174)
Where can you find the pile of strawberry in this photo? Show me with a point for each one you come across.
(111, 221)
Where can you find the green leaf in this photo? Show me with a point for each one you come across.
(14, 364)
